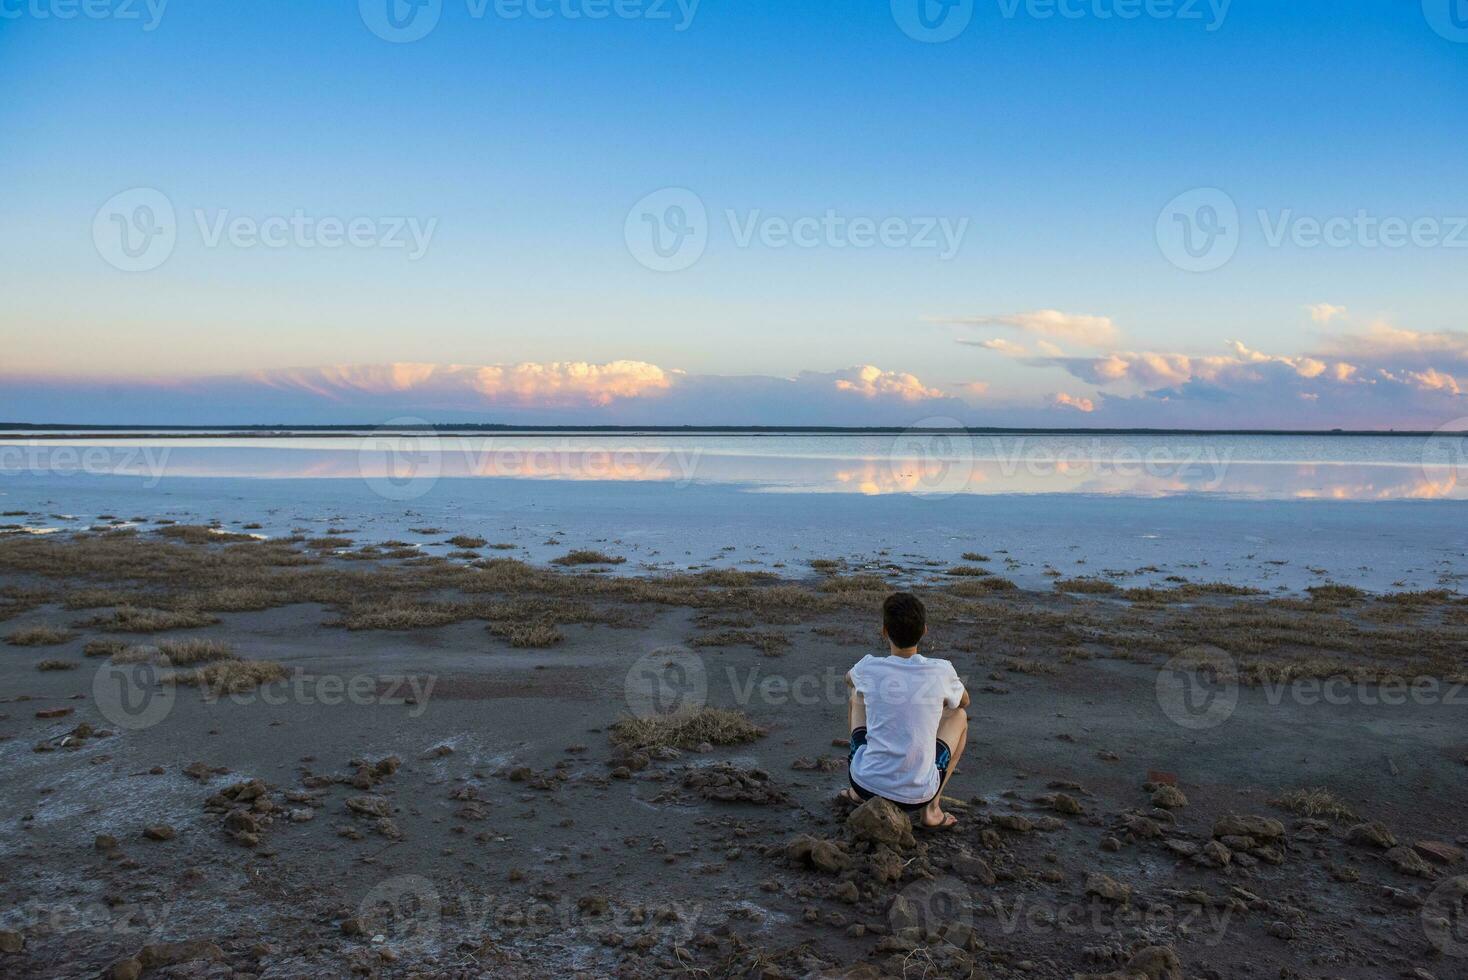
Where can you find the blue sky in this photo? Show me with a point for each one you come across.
(1055, 143)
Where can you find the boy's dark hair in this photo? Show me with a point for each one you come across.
(905, 619)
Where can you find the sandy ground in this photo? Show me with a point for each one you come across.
(505, 841)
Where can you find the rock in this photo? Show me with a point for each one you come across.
(53, 713)
(372, 806)
(592, 904)
(159, 831)
(1156, 963)
(1280, 930)
(1171, 798)
(301, 815)
(973, 868)
(884, 865)
(823, 855)
(1409, 862)
(1215, 854)
(1064, 803)
(169, 954)
(847, 892)
(1108, 888)
(1373, 834)
(1438, 852)
(1141, 827)
(105, 842)
(1183, 848)
(1112, 844)
(11, 941)
(903, 914)
(1015, 822)
(878, 821)
(1263, 828)
(128, 969)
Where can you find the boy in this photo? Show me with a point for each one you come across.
(907, 720)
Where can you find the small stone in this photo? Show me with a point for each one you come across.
(128, 969)
(1372, 834)
(1170, 798)
(1264, 828)
(105, 842)
(1108, 888)
(1409, 862)
(160, 832)
(1438, 851)
(169, 954)
(11, 941)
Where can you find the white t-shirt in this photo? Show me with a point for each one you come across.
(905, 698)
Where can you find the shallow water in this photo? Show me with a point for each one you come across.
(403, 465)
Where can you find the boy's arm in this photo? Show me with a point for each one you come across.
(956, 684)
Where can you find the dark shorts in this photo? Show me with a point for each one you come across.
(941, 759)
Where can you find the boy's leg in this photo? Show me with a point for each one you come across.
(856, 717)
(953, 730)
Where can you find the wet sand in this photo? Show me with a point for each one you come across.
(512, 837)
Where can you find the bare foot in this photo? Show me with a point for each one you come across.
(850, 797)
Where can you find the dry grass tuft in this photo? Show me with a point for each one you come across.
(404, 616)
(200, 534)
(1315, 802)
(974, 588)
(1085, 586)
(769, 643)
(56, 665)
(975, 556)
(1332, 592)
(468, 541)
(182, 653)
(229, 676)
(108, 647)
(535, 636)
(972, 571)
(132, 619)
(686, 730)
(38, 636)
(583, 557)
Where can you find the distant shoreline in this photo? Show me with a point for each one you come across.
(57, 430)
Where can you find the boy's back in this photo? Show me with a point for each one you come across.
(905, 698)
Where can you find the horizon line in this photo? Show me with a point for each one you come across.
(280, 430)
